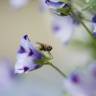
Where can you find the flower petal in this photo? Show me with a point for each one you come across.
(6, 74)
(51, 4)
(76, 85)
(54, 3)
(63, 28)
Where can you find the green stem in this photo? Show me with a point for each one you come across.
(85, 19)
(57, 69)
(83, 24)
(87, 29)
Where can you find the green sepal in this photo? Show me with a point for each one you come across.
(64, 11)
(65, 1)
(43, 61)
(90, 6)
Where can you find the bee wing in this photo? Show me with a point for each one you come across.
(39, 43)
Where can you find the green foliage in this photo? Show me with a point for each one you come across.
(91, 6)
(44, 60)
(65, 1)
(89, 45)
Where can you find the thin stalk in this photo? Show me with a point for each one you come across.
(83, 24)
(87, 29)
(58, 70)
(85, 19)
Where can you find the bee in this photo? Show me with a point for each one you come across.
(44, 47)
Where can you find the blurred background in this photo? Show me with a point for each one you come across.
(32, 21)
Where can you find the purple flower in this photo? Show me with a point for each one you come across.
(94, 19)
(75, 78)
(51, 5)
(92, 70)
(82, 83)
(7, 75)
(63, 24)
(74, 84)
(63, 28)
(21, 50)
(26, 56)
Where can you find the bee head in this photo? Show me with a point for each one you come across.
(49, 48)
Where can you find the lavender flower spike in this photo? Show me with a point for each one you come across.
(27, 54)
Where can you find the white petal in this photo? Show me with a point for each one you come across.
(26, 56)
(6, 74)
(19, 71)
(92, 74)
(73, 89)
(65, 28)
(76, 88)
(23, 60)
(44, 6)
(25, 43)
(85, 87)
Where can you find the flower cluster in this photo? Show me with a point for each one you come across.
(65, 19)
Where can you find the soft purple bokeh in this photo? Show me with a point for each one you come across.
(17, 4)
(63, 28)
(82, 83)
